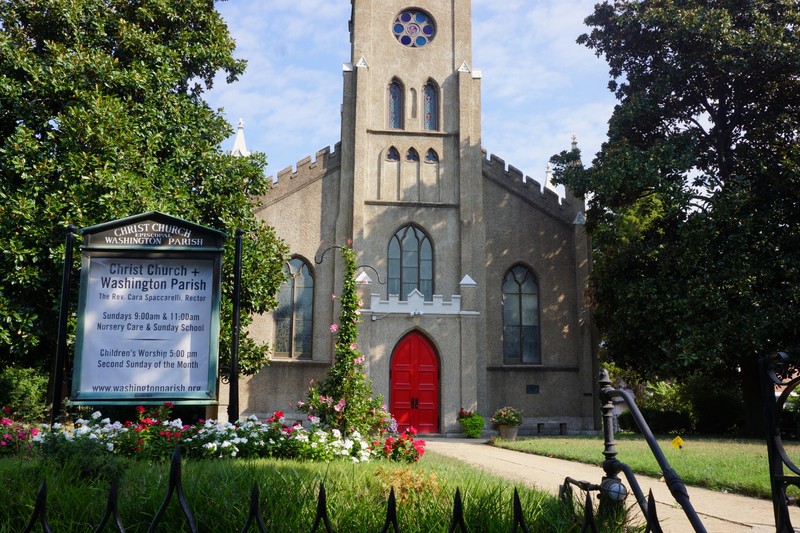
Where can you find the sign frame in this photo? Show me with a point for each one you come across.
(143, 243)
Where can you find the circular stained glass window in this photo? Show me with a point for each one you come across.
(414, 28)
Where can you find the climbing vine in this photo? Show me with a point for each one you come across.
(344, 399)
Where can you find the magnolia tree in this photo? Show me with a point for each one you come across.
(345, 400)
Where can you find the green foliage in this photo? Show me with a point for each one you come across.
(661, 421)
(694, 197)
(23, 391)
(716, 410)
(217, 494)
(506, 416)
(344, 400)
(473, 425)
(102, 117)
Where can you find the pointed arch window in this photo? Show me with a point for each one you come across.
(293, 316)
(431, 156)
(392, 154)
(394, 99)
(521, 342)
(412, 155)
(410, 263)
(430, 95)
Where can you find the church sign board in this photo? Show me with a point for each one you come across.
(148, 312)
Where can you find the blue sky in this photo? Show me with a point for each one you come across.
(538, 86)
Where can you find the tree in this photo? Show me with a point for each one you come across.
(695, 196)
(102, 117)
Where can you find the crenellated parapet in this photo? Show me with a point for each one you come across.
(306, 171)
(527, 188)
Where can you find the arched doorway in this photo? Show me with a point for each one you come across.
(414, 380)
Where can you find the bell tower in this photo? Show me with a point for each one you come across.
(411, 111)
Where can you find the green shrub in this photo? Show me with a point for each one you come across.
(660, 421)
(473, 425)
(24, 391)
(717, 412)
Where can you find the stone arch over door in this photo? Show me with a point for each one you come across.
(414, 384)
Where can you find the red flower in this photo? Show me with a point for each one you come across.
(169, 405)
(140, 409)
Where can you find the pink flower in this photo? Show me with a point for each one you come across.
(333, 296)
(358, 360)
(339, 406)
(361, 303)
(353, 346)
(334, 328)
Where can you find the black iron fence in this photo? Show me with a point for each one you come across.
(776, 394)
(611, 490)
(111, 517)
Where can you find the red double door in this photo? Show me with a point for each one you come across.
(414, 377)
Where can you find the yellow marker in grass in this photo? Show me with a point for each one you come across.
(677, 443)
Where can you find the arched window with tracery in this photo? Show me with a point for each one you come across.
(293, 316)
(521, 317)
(394, 97)
(410, 261)
(430, 95)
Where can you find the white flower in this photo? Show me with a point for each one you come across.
(96, 415)
(110, 446)
(105, 421)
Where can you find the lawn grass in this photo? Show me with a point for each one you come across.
(735, 465)
(218, 495)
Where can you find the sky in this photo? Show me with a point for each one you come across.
(538, 87)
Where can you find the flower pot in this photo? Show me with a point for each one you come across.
(508, 432)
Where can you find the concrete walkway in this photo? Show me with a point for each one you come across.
(719, 512)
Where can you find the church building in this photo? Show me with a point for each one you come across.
(473, 277)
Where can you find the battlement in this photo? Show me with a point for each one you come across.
(307, 170)
(511, 178)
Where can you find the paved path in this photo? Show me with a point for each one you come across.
(719, 512)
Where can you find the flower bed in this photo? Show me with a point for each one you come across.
(154, 436)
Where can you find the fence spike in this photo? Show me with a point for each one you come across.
(39, 511)
(391, 514)
(458, 514)
(175, 486)
(322, 511)
(112, 508)
(588, 515)
(254, 514)
(653, 526)
(519, 519)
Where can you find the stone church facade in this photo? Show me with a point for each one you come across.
(473, 277)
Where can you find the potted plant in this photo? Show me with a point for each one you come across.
(471, 422)
(507, 421)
